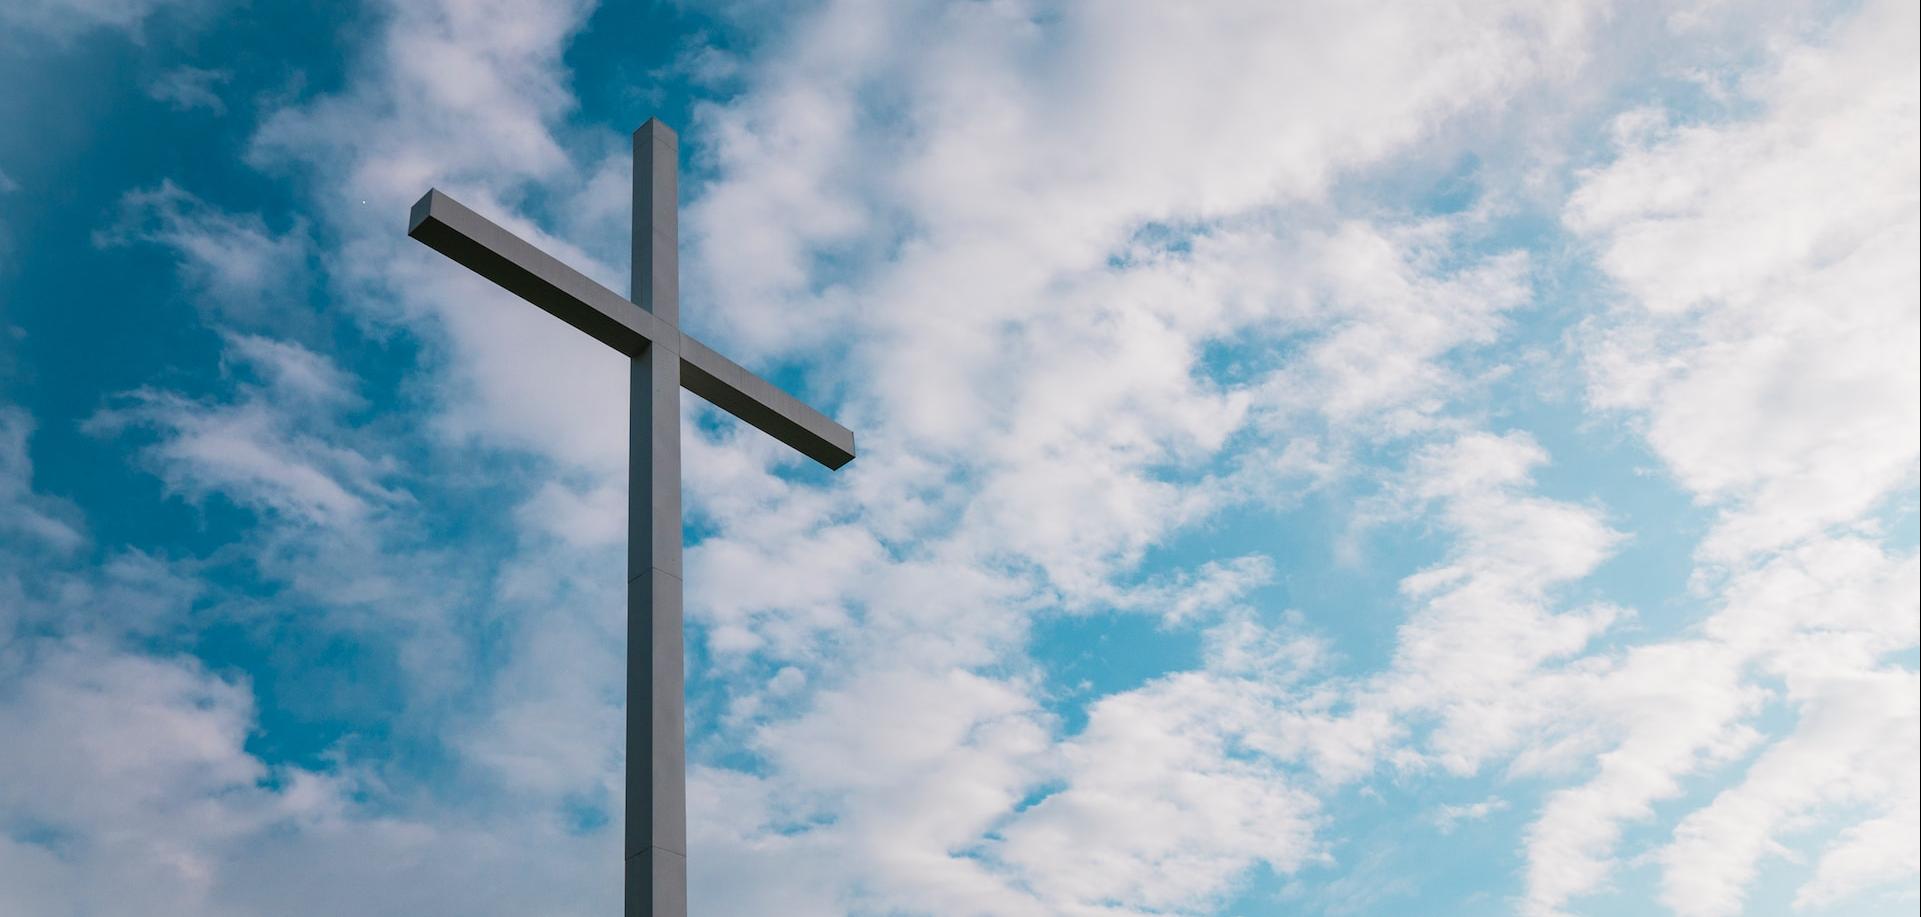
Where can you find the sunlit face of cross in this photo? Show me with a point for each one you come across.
(664, 360)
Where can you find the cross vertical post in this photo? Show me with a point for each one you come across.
(656, 849)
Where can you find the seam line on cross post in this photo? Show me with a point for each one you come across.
(635, 856)
(662, 572)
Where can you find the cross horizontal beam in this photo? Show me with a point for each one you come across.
(484, 247)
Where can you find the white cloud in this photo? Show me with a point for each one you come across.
(292, 371)
(1486, 630)
(1641, 725)
(1654, 721)
(593, 517)
(137, 762)
(1771, 289)
(1097, 119)
(1853, 747)
(1880, 852)
(1821, 620)
(1766, 343)
(1198, 594)
(1165, 807)
(129, 790)
(873, 790)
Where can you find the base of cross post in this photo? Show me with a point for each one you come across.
(656, 884)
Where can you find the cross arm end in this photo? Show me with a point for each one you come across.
(420, 211)
(760, 403)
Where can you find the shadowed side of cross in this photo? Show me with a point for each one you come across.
(663, 360)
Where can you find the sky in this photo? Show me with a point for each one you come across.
(1315, 458)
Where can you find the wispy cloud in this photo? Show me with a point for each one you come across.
(41, 520)
(64, 19)
(1448, 816)
(239, 269)
(270, 450)
(189, 88)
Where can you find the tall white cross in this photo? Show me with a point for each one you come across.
(664, 359)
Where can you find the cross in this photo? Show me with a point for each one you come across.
(664, 359)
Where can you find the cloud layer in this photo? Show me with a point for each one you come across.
(1090, 281)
